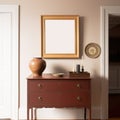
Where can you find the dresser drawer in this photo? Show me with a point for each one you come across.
(58, 85)
(57, 99)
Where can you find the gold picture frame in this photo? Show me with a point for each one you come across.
(60, 36)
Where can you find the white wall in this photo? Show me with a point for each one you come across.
(30, 43)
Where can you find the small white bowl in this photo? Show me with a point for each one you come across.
(58, 74)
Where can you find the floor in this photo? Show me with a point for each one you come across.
(114, 119)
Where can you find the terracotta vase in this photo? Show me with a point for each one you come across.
(37, 66)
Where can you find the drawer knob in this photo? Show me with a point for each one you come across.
(40, 98)
(39, 85)
(78, 85)
(78, 97)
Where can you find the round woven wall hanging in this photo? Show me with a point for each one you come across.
(93, 50)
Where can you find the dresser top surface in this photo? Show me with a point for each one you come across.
(50, 76)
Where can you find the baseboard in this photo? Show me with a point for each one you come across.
(22, 113)
(78, 113)
(96, 113)
(63, 119)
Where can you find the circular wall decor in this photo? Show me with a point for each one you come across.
(93, 50)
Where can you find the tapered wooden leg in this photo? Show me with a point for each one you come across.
(84, 113)
(89, 113)
(27, 113)
(35, 113)
(31, 113)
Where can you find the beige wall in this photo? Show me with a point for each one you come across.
(30, 43)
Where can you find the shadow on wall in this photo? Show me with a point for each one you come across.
(96, 88)
(59, 69)
(99, 85)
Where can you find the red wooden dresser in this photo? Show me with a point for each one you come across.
(59, 92)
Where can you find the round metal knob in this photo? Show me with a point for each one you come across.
(40, 98)
(78, 85)
(78, 97)
(39, 85)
